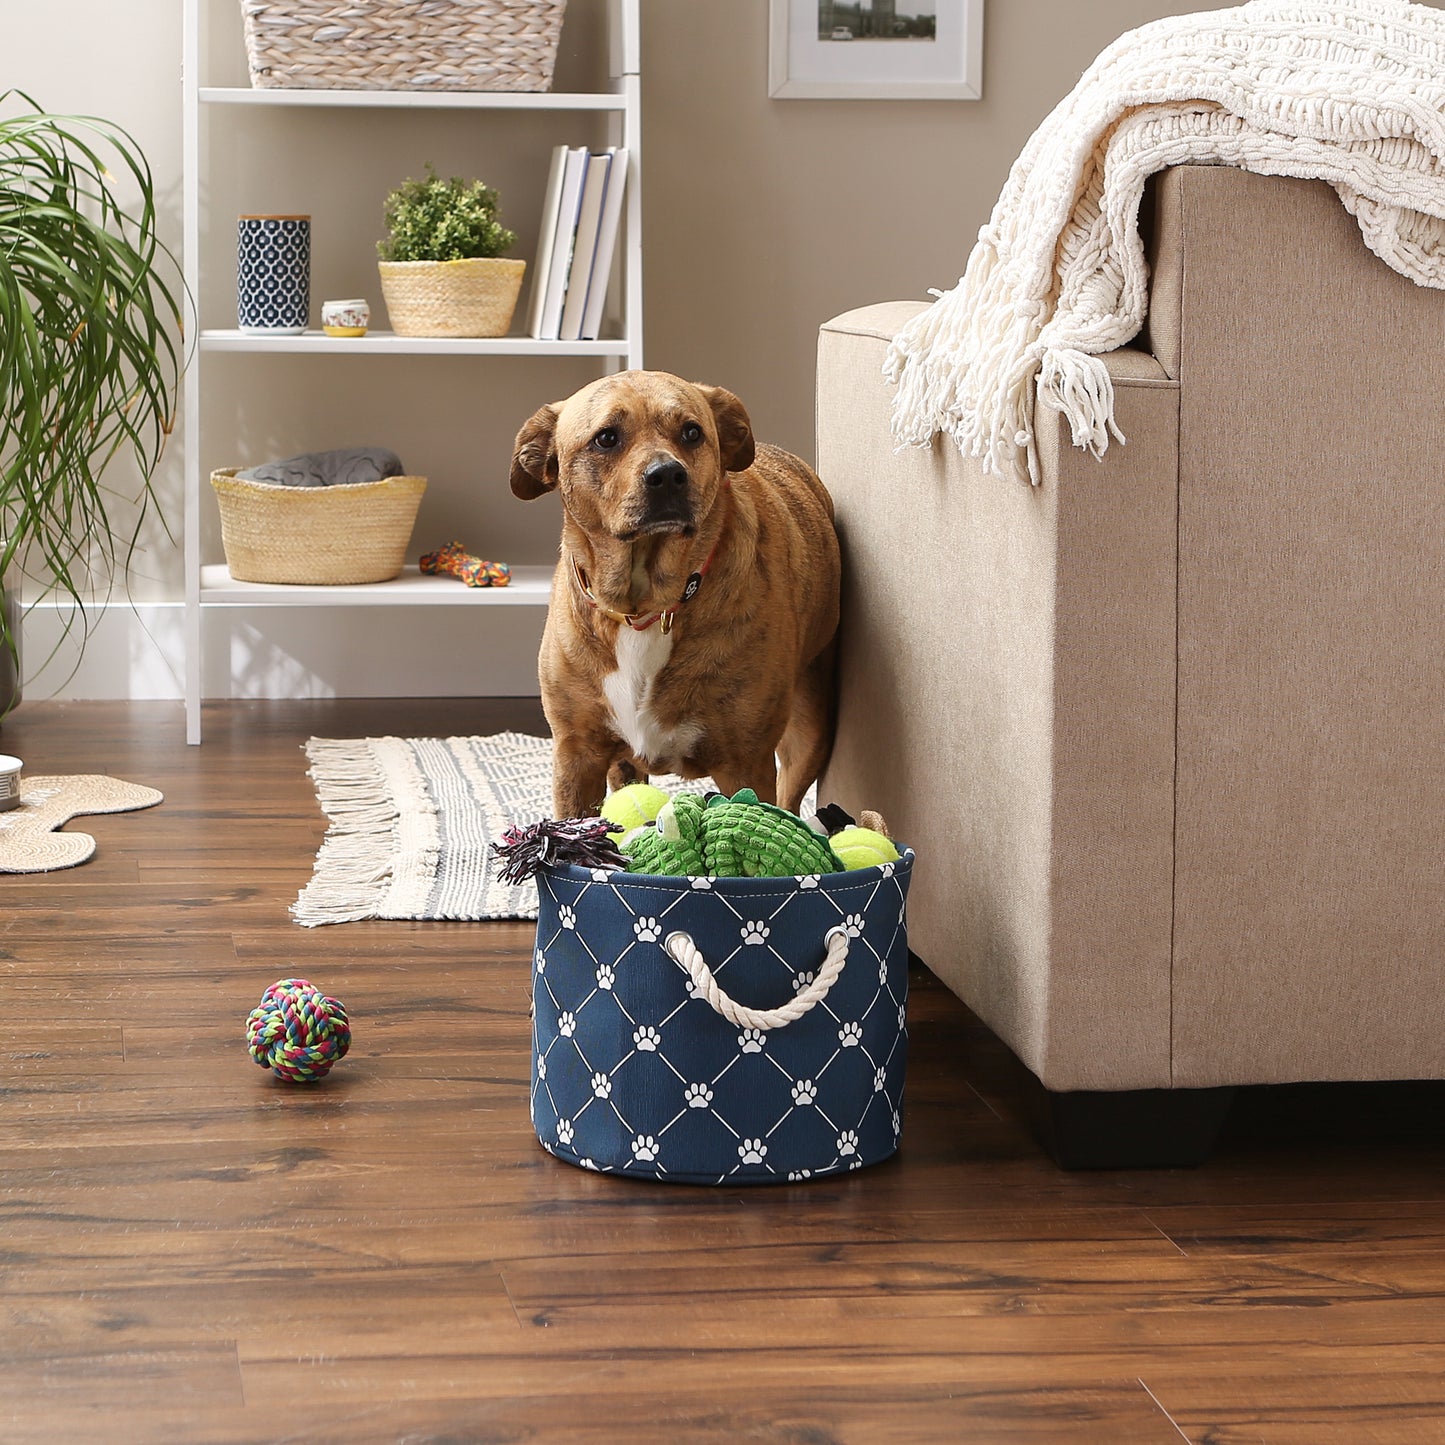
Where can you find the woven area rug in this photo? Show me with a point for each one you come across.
(28, 840)
(412, 821)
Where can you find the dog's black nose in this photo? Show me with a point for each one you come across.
(665, 475)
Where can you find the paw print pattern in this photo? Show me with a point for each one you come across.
(601, 1085)
(698, 1096)
(605, 977)
(882, 973)
(751, 1151)
(897, 1123)
(564, 1132)
(802, 980)
(853, 925)
(541, 1066)
(750, 1041)
(755, 931)
(601, 875)
(566, 1024)
(847, 1144)
(648, 930)
(809, 881)
(644, 1148)
(567, 916)
(850, 1035)
(902, 1015)
(646, 1039)
(794, 1175)
(541, 962)
(804, 1092)
(879, 1079)
(702, 885)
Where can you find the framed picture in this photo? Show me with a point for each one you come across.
(876, 50)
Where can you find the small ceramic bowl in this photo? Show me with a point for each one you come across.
(345, 318)
(9, 782)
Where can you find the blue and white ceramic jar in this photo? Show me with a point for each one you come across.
(273, 274)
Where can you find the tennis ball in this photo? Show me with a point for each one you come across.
(631, 807)
(863, 848)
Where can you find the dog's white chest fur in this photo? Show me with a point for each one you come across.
(640, 657)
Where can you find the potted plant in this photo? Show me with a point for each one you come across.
(89, 363)
(442, 268)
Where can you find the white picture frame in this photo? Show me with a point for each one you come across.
(806, 64)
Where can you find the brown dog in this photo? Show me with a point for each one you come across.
(693, 609)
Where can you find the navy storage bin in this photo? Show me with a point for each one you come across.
(635, 1071)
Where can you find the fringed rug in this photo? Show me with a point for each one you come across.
(412, 821)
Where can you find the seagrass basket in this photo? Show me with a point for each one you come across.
(474, 297)
(356, 532)
(402, 44)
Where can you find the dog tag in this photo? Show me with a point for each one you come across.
(693, 583)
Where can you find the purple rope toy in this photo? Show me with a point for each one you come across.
(583, 841)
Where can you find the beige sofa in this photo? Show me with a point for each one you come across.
(1168, 731)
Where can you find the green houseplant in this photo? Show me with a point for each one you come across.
(442, 268)
(89, 359)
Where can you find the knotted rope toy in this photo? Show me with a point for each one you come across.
(297, 1032)
(456, 561)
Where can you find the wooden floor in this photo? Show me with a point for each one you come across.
(192, 1251)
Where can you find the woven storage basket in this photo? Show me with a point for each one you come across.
(451, 298)
(322, 535)
(402, 44)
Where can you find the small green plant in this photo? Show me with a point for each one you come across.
(437, 220)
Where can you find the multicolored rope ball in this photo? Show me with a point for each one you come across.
(297, 1032)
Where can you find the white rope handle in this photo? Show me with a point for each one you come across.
(685, 953)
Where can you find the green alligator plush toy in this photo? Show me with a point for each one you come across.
(737, 837)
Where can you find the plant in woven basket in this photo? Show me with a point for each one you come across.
(89, 356)
(441, 262)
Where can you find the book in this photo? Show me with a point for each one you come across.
(542, 266)
(547, 297)
(589, 216)
(601, 272)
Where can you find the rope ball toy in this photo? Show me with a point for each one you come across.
(297, 1032)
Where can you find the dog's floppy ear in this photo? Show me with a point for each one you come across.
(734, 430)
(534, 455)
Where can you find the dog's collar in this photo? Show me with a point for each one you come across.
(633, 620)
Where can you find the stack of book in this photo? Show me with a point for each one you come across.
(575, 246)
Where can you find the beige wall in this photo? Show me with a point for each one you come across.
(762, 219)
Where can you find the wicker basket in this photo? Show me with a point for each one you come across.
(402, 44)
(452, 298)
(323, 535)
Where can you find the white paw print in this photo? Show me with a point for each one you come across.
(702, 885)
(564, 1131)
(601, 875)
(897, 1123)
(566, 916)
(802, 980)
(647, 1039)
(566, 1024)
(809, 881)
(541, 1066)
(605, 977)
(856, 1163)
(751, 1151)
(587, 1164)
(879, 1079)
(847, 1143)
(804, 1091)
(601, 1085)
(755, 932)
(541, 961)
(794, 1175)
(882, 973)
(644, 1147)
(750, 1041)
(850, 1035)
(648, 930)
(698, 1096)
(887, 869)
(853, 925)
(902, 1015)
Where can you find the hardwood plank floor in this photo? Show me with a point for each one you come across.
(191, 1251)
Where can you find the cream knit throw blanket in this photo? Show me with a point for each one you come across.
(1347, 91)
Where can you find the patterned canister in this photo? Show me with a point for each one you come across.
(10, 774)
(273, 274)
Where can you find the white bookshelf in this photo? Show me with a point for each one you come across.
(209, 583)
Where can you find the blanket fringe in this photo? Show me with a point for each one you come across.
(354, 864)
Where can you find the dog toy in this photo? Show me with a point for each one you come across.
(583, 841)
(456, 561)
(863, 847)
(634, 806)
(737, 837)
(297, 1032)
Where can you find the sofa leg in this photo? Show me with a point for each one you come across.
(1133, 1129)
